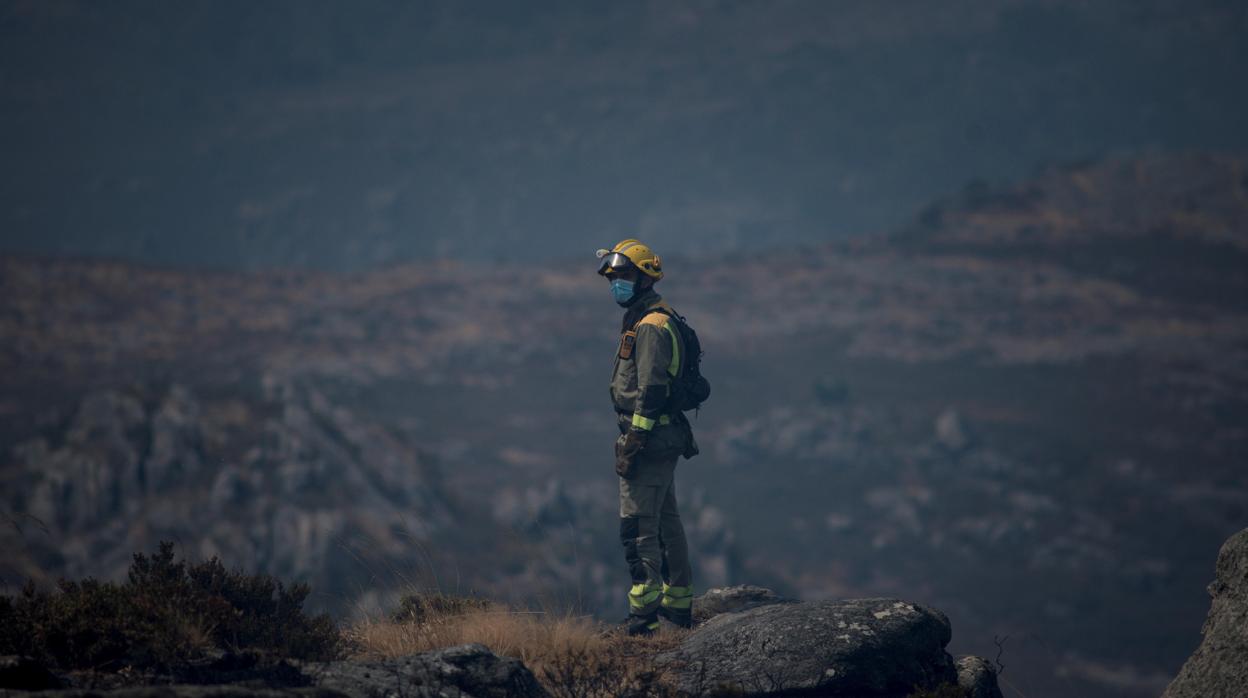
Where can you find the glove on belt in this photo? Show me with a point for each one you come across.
(626, 452)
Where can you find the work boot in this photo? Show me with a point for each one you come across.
(683, 619)
(642, 626)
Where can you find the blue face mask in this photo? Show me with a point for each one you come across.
(622, 291)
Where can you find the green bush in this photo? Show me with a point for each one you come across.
(165, 613)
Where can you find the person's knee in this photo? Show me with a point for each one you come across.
(639, 532)
(630, 529)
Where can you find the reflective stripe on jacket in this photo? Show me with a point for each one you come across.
(641, 382)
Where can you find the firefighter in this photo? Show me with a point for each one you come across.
(652, 438)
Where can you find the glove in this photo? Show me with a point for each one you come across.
(626, 452)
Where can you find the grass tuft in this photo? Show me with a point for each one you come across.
(571, 655)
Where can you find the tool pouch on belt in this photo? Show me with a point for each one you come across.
(691, 446)
(627, 449)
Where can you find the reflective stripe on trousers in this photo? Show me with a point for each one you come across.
(643, 599)
(679, 599)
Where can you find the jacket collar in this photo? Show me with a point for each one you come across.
(640, 307)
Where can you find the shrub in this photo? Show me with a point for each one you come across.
(422, 607)
(165, 613)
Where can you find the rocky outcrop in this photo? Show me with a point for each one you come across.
(471, 671)
(754, 643)
(734, 599)
(267, 478)
(465, 671)
(1219, 666)
(977, 678)
(859, 647)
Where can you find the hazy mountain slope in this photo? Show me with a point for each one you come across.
(996, 411)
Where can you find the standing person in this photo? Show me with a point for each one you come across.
(653, 435)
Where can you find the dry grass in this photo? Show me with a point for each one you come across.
(571, 655)
(531, 637)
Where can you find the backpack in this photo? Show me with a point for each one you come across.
(689, 388)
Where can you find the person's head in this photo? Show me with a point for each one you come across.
(631, 268)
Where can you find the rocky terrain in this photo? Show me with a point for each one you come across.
(748, 642)
(255, 478)
(1027, 409)
(855, 647)
(1219, 666)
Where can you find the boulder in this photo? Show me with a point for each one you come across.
(977, 678)
(1219, 666)
(733, 599)
(858, 647)
(467, 671)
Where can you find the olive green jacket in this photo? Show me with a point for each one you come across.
(645, 365)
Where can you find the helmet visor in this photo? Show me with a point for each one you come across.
(614, 261)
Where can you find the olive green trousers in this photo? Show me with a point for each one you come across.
(654, 538)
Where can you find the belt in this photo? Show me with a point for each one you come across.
(663, 418)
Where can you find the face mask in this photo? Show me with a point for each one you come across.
(622, 291)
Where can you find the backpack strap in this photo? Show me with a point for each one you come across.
(658, 316)
(653, 313)
(658, 319)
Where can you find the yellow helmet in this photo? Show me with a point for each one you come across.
(630, 252)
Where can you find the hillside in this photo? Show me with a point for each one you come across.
(1026, 409)
(326, 136)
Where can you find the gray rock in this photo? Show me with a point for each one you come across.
(470, 671)
(1219, 666)
(858, 647)
(733, 599)
(977, 677)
